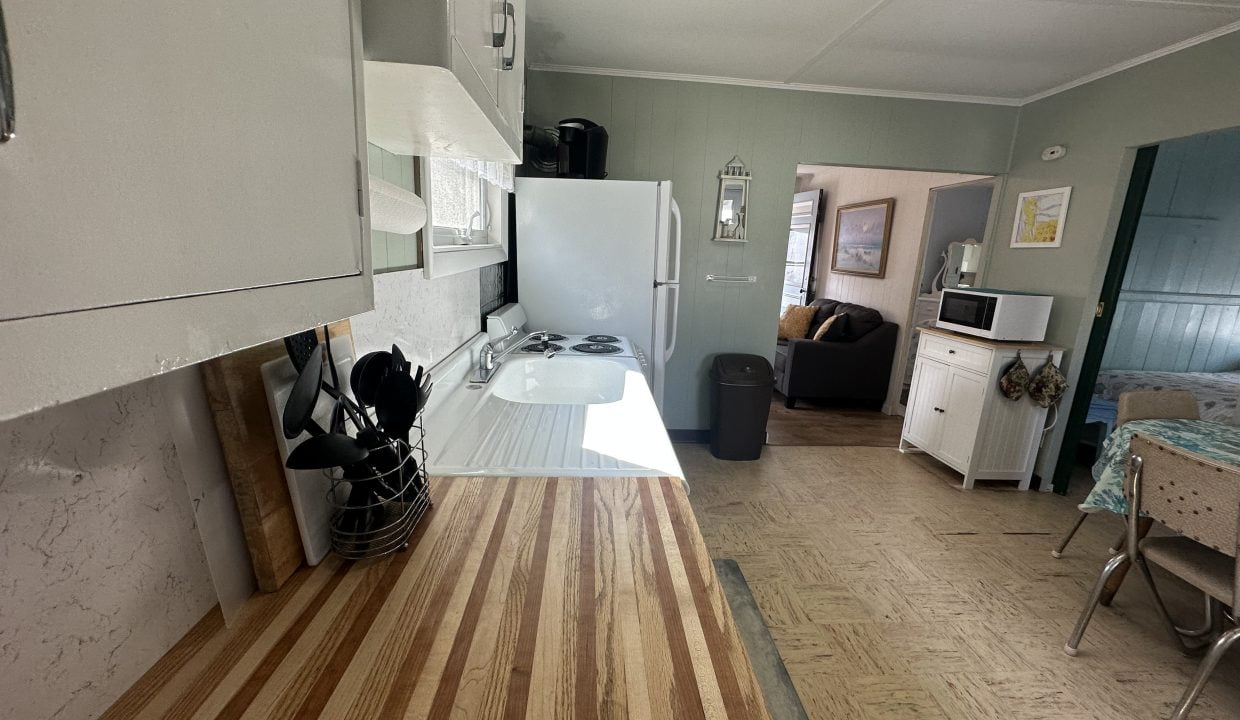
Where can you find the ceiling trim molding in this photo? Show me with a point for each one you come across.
(774, 84)
(1139, 60)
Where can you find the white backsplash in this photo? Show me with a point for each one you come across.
(427, 319)
(101, 566)
(103, 570)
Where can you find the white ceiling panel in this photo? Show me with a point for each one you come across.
(1003, 48)
(1007, 50)
(747, 39)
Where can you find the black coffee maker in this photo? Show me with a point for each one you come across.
(582, 150)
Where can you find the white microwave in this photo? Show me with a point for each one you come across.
(995, 314)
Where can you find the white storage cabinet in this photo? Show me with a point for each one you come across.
(956, 413)
(181, 182)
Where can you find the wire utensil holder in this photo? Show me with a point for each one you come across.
(374, 513)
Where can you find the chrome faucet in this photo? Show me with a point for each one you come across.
(489, 360)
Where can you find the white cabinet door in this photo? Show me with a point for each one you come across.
(965, 393)
(512, 80)
(474, 23)
(924, 420)
(168, 152)
(184, 182)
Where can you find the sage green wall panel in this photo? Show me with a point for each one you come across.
(685, 132)
(1102, 123)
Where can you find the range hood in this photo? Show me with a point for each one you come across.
(424, 94)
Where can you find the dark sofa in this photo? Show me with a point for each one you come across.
(855, 365)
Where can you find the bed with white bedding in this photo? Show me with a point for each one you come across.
(1216, 392)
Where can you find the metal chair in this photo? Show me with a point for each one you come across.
(1140, 405)
(1200, 499)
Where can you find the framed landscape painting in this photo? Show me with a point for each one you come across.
(862, 233)
(1040, 217)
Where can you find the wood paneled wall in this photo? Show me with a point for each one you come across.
(686, 131)
(1179, 308)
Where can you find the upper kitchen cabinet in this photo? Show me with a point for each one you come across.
(180, 183)
(445, 78)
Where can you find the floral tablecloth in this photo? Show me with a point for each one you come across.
(1211, 440)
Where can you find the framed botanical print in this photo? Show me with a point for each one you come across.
(862, 234)
(1040, 217)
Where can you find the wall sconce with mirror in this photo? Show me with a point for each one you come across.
(733, 202)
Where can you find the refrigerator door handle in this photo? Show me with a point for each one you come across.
(674, 307)
(674, 256)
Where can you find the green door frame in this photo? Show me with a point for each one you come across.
(1130, 217)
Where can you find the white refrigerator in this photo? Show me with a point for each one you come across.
(601, 257)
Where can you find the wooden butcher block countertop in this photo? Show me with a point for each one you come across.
(520, 598)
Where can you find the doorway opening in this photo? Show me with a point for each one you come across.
(857, 241)
(1168, 315)
(957, 217)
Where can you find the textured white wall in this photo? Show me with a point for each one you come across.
(428, 319)
(101, 565)
(103, 570)
(893, 294)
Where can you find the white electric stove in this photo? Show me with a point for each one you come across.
(510, 321)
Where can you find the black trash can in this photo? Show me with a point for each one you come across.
(740, 400)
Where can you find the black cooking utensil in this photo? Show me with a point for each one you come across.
(424, 394)
(399, 364)
(299, 347)
(338, 416)
(299, 407)
(397, 406)
(417, 395)
(355, 375)
(326, 451)
(331, 361)
(371, 377)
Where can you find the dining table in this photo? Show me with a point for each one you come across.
(1214, 441)
(1211, 440)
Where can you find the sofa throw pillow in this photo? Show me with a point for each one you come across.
(794, 323)
(826, 308)
(834, 328)
(861, 320)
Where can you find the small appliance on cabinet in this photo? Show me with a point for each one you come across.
(957, 415)
(995, 314)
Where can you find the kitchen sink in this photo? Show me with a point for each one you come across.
(559, 380)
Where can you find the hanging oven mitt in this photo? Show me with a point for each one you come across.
(1013, 380)
(1048, 384)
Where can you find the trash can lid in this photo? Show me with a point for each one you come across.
(741, 369)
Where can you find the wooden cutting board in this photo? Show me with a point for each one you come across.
(239, 404)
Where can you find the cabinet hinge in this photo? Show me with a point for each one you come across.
(361, 188)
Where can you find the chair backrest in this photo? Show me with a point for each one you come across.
(1194, 496)
(1156, 405)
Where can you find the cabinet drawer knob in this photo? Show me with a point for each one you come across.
(951, 352)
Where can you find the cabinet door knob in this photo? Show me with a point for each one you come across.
(951, 352)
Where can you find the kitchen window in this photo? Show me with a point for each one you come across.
(467, 217)
(461, 203)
